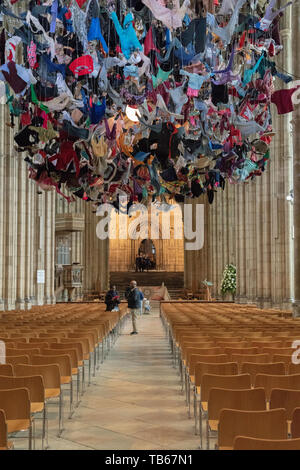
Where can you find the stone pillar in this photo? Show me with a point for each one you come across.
(49, 249)
(296, 161)
(96, 254)
(21, 234)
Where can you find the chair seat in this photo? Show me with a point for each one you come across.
(65, 379)
(14, 425)
(213, 424)
(36, 407)
(52, 392)
(204, 405)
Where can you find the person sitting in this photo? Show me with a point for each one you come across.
(112, 299)
(147, 307)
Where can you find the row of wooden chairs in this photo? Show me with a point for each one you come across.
(241, 364)
(44, 353)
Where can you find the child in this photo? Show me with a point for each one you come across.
(147, 306)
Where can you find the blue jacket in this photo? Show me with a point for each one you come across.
(127, 34)
(133, 298)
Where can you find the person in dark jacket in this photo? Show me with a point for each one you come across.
(133, 299)
(112, 299)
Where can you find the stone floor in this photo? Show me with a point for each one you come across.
(134, 402)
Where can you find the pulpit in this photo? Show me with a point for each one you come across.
(72, 278)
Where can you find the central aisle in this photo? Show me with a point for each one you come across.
(134, 402)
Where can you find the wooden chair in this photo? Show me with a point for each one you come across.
(254, 358)
(36, 345)
(4, 443)
(14, 360)
(209, 381)
(217, 365)
(268, 382)
(72, 353)
(250, 443)
(65, 369)
(287, 399)
(35, 386)
(28, 352)
(218, 399)
(273, 368)
(76, 369)
(51, 379)
(295, 426)
(16, 405)
(270, 424)
(293, 369)
(285, 358)
(239, 351)
(85, 350)
(281, 351)
(191, 362)
(6, 369)
(68, 343)
(267, 344)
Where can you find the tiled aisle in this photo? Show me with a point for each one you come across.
(134, 402)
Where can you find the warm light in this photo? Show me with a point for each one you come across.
(132, 113)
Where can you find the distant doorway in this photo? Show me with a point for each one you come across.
(147, 249)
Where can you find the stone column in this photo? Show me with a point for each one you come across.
(296, 162)
(21, 234)
(49, 250)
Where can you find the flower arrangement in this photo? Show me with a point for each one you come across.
(229, 279)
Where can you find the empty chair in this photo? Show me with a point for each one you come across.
(6, 369)
(14, 360)
(230, 351)
(295, 425)
(250, 443)
(255, 358)
(74, 363)
(16, 405)
(209, 381)
(287, 399)
(249, 400)
(270, 424)
(4, 443)
(79, 348)
(285, 358)
(293, 369)
(65, 369)
(268, 382)
(267, 344)
(282, 351)
(35, 387)
(276, 368)
(40, 345)
(28, 352)
(51, 378)
(67, 348)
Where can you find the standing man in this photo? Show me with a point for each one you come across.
(133, 299)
